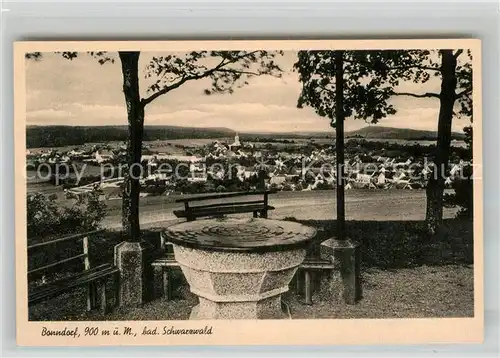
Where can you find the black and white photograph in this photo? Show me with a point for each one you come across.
(303, 183)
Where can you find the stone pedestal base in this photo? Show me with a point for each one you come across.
(270, 308)
(132, 259)
(346, 276)
(233, 285)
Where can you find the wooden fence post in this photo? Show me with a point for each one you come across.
(162, 242)
(86, 252)
(90, 288)
(104, 301)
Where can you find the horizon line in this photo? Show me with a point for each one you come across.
(330, 131)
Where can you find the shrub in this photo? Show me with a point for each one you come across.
(464, 186)
(463, 195)
(324, 186)
(46, 218)
(286, 187)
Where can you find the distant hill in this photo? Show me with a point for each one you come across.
(285, 135)
(397, 133)
(374, 132)
(57, 136)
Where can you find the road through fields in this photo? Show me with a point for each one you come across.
(321, 205)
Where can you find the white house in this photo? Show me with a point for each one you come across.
(278, 180)
(236, 143)
(381, 178)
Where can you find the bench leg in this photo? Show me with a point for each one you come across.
(298, 288)
(167, 285)
(116, 289)
(158, 281)
(91, 296)
(103, 298)
(307, 288)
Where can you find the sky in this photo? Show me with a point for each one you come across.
(82, 92)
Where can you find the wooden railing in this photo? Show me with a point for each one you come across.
(85, 244)
(89, 277)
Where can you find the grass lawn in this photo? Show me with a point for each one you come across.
(445, 291)
(405, 274)
(426, 291)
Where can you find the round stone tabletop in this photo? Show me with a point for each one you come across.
(240, 235)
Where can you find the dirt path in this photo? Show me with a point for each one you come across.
(319, 205)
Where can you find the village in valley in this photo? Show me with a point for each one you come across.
(234, 164)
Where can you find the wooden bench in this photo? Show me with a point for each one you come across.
(259, 208)
(308, 266)
(162, 270)
(163, 265)
(93, 278)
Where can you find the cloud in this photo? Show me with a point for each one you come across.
(48, 114)
(245, 108)
(79, 114)
(85, 93)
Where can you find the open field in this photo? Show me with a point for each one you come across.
(172, 146)
(189, 142)
(293, 141)
(361, 204)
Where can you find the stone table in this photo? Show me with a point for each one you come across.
(237, 267)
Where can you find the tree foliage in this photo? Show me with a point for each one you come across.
(226, 70)
(372, 78)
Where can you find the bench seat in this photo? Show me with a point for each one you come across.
(222, 209)
(316, 264)
(166, 261)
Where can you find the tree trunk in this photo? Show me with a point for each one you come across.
(435, 185)
(135, 113)
(339, 142)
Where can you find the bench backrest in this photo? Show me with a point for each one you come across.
(83, 256)
(257, 207)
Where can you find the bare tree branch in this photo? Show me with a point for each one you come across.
(458, 53)
(183, 80)
(419, 67)
(166, 89)
(423, 95)
(207, 73)
(237, 71)
(395, 68)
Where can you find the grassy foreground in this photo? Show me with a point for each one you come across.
(446, 291)
(405, 274)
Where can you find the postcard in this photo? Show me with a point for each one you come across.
(290, 192)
